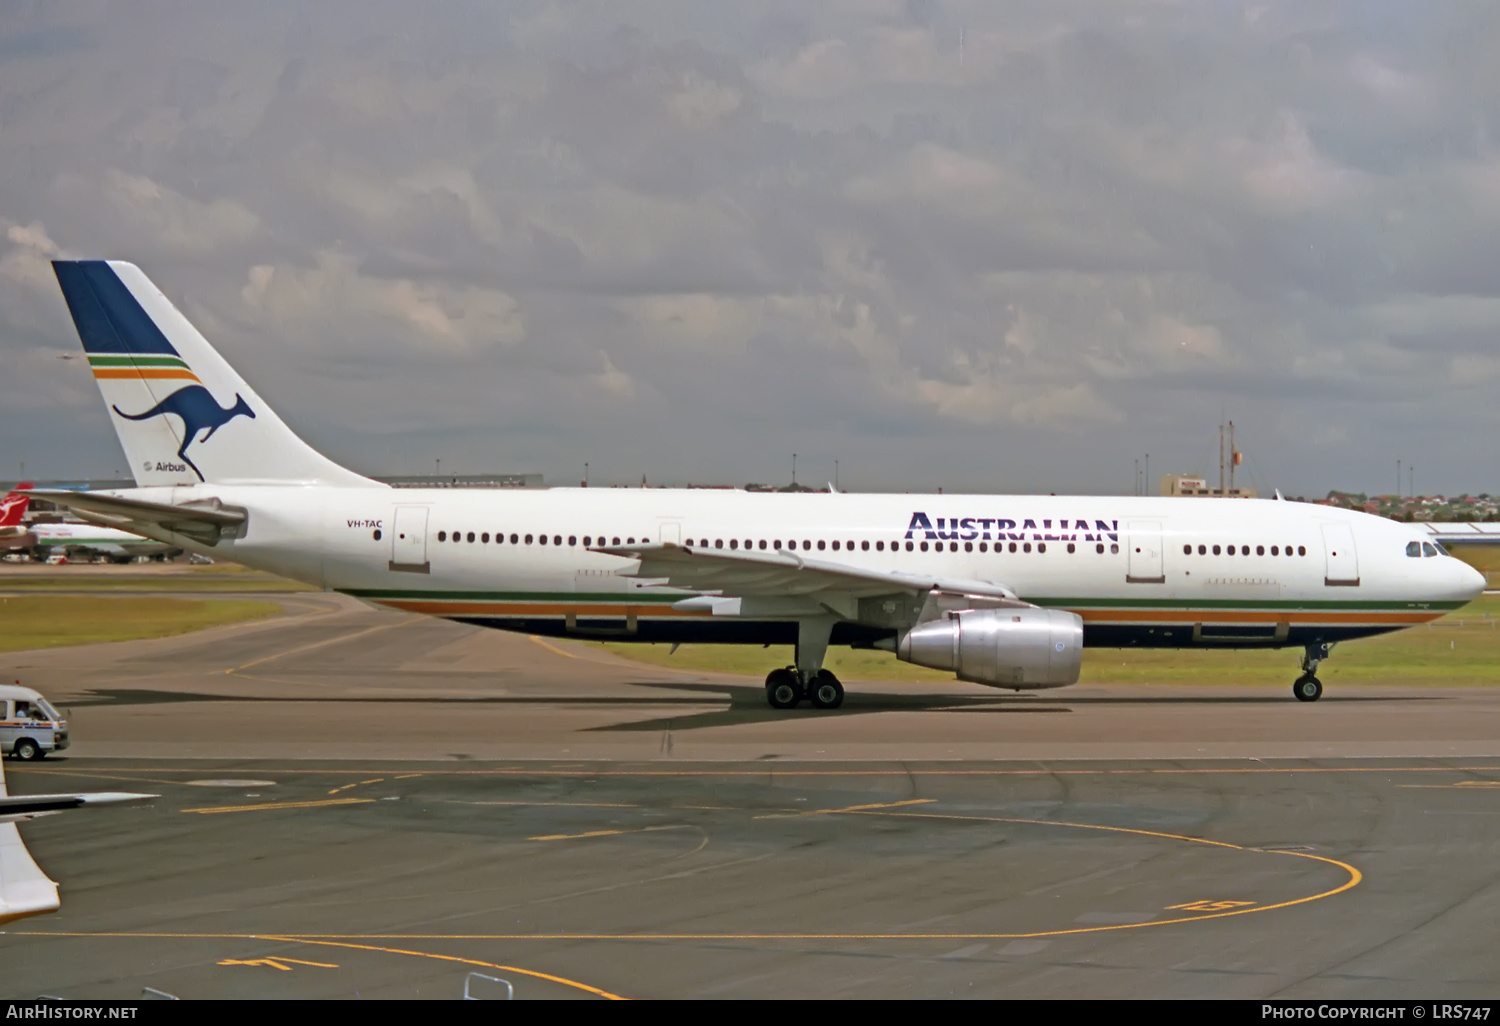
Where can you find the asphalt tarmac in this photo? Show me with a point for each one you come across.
(359, 803)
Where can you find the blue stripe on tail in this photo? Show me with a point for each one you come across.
(108, 317)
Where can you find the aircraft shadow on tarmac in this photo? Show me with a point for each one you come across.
(747, 704)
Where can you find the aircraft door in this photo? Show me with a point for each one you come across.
(409, 540)
(1340, 557)
(671, 532)
(1144, 553)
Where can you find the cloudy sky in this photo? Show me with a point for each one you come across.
(970, 245)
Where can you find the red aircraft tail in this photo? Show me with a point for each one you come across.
(13, 506)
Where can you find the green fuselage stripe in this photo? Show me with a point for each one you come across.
(136, 361)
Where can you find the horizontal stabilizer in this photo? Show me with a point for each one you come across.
(206, 523)
(24, 889)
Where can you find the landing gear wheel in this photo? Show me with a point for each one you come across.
(825, 691)
(782, 690)
(26, 750)
(1308, 688)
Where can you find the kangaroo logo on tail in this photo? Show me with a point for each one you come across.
(196, 407)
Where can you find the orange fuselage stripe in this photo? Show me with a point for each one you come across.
(144, 372)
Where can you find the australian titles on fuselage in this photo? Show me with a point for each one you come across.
(980, 528)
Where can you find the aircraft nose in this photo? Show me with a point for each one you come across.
(1471, 583)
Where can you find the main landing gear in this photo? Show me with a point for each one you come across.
(786, 688)
(1307, 687)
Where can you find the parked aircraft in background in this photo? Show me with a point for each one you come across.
(1001, 590)
(46, 539)
(13, 533)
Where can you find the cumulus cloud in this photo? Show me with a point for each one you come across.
(885, 231)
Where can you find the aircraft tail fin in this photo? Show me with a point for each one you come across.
(13, 506)
(182, 413)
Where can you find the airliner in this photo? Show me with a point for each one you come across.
(118, 545)
(1001, 590)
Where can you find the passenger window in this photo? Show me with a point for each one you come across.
(1071, 547)
(880, 546)
(1114, 550)
(1275, 551)
(557, 539)
(776, 544)
(1413, 548)
(909, 546)
(1026, 547)
(1428, 550)
(471, 536)
(1187, 550)
(614, 541)
(718, 543)
(513, 539)
(968, 546)
(924, 546)
(1216, 550)
(1012, 546)
(442, 536)
(864, 546)
(588, 541)
(734, 543)
(984, 547)
(541, 539)
(485, 537)
(1041, 546)
(572, 539)
(1230, 550)
(1099, 548)
(835, 546)
(1260, 550)
(528, 539)
(1301, 550)
(1202, 550)
(761, 544)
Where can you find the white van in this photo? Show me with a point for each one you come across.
(29, 726)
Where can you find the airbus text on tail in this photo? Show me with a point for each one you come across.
(182, 413)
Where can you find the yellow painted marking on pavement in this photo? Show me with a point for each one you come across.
(319, 644)
(575, 837)
(407, 776)
(333, 941)
(276, 963)
(340, 940)
(1208, 906)
(280, 805)
(547, 805)
(554, 649)
(1463, 784)
(612, 833)
(360, 783)
(847, 808)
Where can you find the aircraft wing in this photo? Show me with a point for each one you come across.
(205, 523)
(24, 889)
(787, 575)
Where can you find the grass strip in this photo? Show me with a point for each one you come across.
(50, 621)
(1461, 648)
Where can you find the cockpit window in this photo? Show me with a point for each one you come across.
(1414, 548)
(1428, 549)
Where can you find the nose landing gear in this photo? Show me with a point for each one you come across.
(1307, 688)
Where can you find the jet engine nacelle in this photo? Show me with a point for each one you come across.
(1014, 648)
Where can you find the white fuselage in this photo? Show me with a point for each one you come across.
(1140, 571)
